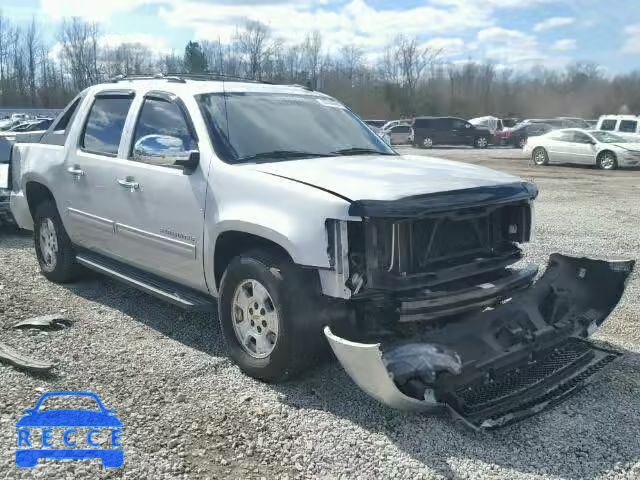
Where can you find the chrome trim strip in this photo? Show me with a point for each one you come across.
(177, 246)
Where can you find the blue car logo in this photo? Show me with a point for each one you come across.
(36, 433)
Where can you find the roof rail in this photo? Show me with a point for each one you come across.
(215, 76)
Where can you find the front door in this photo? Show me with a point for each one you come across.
(86, 189)
(582, 150)
(160, 217)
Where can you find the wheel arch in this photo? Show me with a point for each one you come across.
(233, 242)
(36, 193)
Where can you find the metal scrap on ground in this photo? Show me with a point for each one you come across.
(16, 358)
(53, 321)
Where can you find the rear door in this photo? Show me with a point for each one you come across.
(160, 207)
(461, 132)
(558, 146)
(443, 131)
(86, 188)
(400, 134)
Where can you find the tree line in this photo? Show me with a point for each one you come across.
(406, 79)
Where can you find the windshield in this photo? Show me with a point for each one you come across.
(606, 137)
(267, 127)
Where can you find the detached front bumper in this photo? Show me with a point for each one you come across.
(504, 364)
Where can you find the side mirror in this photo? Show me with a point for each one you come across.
(166, 151)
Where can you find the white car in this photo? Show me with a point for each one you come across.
(627, 126)
(588, 147)
(400, 134)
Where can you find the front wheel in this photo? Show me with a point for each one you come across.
(481, 142)
(426, 142)
(607, 161)
(54, 250)
(540, 157)
(269, 316)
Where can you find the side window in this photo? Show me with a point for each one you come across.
(105, 123)
(161, 117)
(459, 124)
(628, 126)
(580, 137)
(401, 129)
(608, 124)
(563, 136)
(67, 115)
(444, 124)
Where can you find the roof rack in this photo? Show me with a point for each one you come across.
(182, 77)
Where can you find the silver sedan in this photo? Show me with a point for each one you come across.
(588, 147)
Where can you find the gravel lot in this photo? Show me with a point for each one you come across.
(189, 413)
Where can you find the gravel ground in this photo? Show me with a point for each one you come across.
(189, 413)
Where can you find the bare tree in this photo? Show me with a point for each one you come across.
(79, 41)
(351, 60)
(254, 44)
(312, 48)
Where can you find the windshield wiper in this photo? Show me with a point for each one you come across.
(279, 155)
(359, 151)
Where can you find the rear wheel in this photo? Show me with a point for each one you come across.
(268, 315)
(481, 142)
(540, 157)
(607, 161)
(54, 250)
(426, 142)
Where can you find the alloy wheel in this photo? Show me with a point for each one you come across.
(255, 319)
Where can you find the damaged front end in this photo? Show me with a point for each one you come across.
(496, 366)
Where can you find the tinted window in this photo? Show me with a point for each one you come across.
(267, 127)
(459, 124)
(628, 126)
(609, 124)
(422, 123)
(443, 124)
(105, 124)
(401, 129)
(67, 115)
(160, 117)
(563, 136)
(580, 137)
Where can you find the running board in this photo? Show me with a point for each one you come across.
(165, 290)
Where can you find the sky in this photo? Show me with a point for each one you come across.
(512, 33)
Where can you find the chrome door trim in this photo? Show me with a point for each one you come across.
(188, 250)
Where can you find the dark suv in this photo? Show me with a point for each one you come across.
(430, 131)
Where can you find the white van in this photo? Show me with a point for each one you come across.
(625, 125)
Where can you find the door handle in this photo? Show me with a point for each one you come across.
(129, 183)
(76, 171)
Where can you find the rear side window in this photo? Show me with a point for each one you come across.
(67, 115)
(609, 124)
(423, 123)
(401, 129)
(105, 123)
(628, 126)
(161, 117)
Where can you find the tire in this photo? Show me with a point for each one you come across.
(481, 142)
(607, 160)
(540, 157)
(54, 249)
(293, 294)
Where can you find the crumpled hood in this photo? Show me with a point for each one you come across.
(383, 177)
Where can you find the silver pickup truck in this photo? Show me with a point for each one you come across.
(307, 228)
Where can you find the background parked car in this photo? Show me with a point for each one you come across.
(588, 147)
(577, 122)
(400, 134)
(554, 122)
(624, 125)
(518, 135)
(430, 131)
